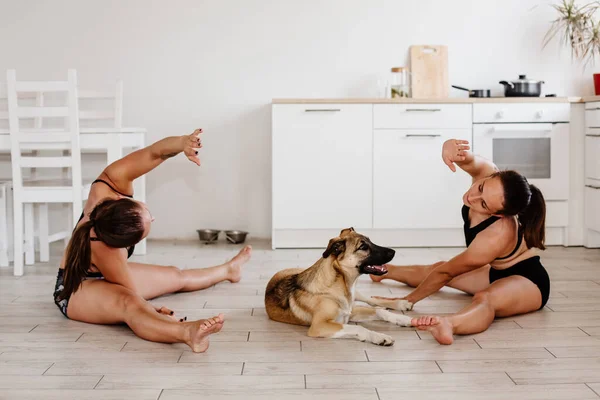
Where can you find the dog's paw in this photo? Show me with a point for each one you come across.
(382, 340)
(401, 305)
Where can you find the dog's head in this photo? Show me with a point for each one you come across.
(355, 252)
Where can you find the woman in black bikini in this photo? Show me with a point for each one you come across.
(504, 226)
(96, 283)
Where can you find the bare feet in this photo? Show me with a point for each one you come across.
(439, 327)
(235, 264)
(201, 330)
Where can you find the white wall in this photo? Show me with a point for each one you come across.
(217, 64)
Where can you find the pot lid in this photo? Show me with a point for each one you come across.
(523, 79)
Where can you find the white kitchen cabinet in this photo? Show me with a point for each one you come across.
(413, 188)
(322, 166)
(592, 207)
(592, 155)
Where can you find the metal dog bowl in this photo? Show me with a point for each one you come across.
(236, 237)
(208, 235)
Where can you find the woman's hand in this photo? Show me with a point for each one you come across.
(191, 145)
(454, 151)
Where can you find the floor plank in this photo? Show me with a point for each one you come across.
(150, 369)
(340, 368)
(345, 382)
(64, 394)
(48, 382)
(528, 392)
(199, 382)
(520, 365)
(289, 394)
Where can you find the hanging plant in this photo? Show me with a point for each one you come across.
(576, 27)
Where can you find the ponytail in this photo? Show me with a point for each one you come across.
(527, 202)
(78, 260)
(533, 219)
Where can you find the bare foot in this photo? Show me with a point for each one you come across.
(439, 327)
(235, 264)
(201, 330)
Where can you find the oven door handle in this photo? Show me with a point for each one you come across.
(509, 128)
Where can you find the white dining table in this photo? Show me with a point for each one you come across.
(111, 141)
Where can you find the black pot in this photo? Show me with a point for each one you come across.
(522, 87)
(476, 92)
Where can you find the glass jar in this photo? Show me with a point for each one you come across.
(399, 82)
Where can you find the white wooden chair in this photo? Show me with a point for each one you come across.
(5, 194)
(101, 108)
(40, 138)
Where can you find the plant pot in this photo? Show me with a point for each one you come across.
(597, 84)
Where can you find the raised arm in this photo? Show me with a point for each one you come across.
(123, 172)
(457, 152)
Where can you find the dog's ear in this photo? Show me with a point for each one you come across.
(346, 231)
(335, 247)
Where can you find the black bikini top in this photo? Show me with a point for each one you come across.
(470, 233)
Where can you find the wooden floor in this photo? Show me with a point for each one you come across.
(551, 354)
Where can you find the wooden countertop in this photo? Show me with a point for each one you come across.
(450, 100)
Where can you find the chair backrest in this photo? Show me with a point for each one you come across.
(40, 138)
(102, 108)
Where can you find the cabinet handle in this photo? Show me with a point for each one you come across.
(423, 136)
(423, 109)
(593, 135)
(322, 110)
(597, 108)
(593, 187)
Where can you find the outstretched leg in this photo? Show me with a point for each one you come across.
(157, 280)
(506, 297)
(101, 302)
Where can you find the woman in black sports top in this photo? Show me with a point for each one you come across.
(97, 284)
(504, 227)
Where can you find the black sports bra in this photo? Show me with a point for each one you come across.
(470, 233)
(131, 249)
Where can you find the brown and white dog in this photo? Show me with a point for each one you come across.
(323, 295)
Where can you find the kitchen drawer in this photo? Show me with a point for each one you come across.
(592, 154)
(594, 105)
(422, 116)
(592, 118)
(521, 112)
(592, 207)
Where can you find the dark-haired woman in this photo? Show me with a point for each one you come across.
(96, 283)
(504, 226)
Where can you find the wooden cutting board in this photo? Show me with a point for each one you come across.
(429, 71)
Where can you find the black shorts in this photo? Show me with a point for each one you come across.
(531, 269)
(59, 287)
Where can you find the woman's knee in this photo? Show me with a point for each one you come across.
(127, 301)
(178, 276)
